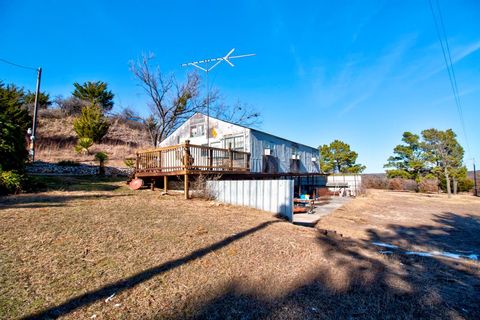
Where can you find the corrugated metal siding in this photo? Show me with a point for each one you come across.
(274, 196)
(282, 150)
(354, 182)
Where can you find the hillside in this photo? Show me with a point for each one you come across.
(56, 139)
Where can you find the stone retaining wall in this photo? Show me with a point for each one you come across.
(46, 168)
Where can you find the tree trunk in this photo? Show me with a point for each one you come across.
(101, 169)
(455, 186)
(447, 180)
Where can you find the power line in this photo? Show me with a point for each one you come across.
(17, 65)
(440, 27)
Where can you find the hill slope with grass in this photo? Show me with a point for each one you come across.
(56, 139)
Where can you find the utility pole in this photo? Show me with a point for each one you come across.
(207, 70)
(35, 112)
(475, 190)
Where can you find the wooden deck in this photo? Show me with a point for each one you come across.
(188, 158)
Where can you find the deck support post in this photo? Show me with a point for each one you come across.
(152, 185)
(230, 156)
(165, 184)
(185, 187)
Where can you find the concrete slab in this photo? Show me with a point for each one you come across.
(322, 208)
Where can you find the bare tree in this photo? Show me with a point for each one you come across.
(239, 113)
(172, 103)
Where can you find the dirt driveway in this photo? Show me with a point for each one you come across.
(118, 254)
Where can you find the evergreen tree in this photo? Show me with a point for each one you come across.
(444, 152)
(14, 122)
(338, 158)
(43, 100)
(408, 160)
(91, 124)
(95, 93)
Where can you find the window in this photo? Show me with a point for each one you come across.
(197, 130)
(197, 127)
(237, 143)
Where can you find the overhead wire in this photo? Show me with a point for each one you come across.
(440, 27)
(17, 65)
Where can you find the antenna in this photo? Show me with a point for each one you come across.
(207, 69)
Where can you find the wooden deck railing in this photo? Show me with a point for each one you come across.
(188, 158)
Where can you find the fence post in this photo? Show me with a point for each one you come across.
(186, 155)
(137, 160)
(230, 155)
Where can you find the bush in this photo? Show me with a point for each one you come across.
(395, 184)
(129, 162)
(410, 185)
(70, 106)
(68, 163)
(84, 145)
(374, 182)
(10, 182)
(465, 185)
(91, 124)
(428, 185)
(400, 184)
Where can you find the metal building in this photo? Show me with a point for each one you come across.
(268, 153)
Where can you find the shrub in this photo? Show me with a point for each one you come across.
(401, 184)
(68, 163)
(410, 185)
(129, 162)
(428, 185)
(84, 145)
(395, 184)
(10, 182)
(374, 182)
(465, 185)
(91, 124)
(70, 106)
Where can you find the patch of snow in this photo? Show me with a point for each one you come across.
(420, 254)
(386, 245)
(110, 298)
(385, 251)
(451, 255)
(473, 256)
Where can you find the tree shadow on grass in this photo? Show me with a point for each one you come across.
(132, 281)
(34, 201)
(364, 284)
(357, 282)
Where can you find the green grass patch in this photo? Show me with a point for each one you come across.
(81, 183)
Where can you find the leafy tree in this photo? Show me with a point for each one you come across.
(408, 160)
(102, 158)
(14, 122)
(84, 145)
(338, 158)
(43, 100)
(91, 124)
(444, 152)
(96, 93)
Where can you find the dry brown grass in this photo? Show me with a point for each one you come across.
(64, 253)
(56, 140)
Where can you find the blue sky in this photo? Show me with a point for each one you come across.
(359, 71)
